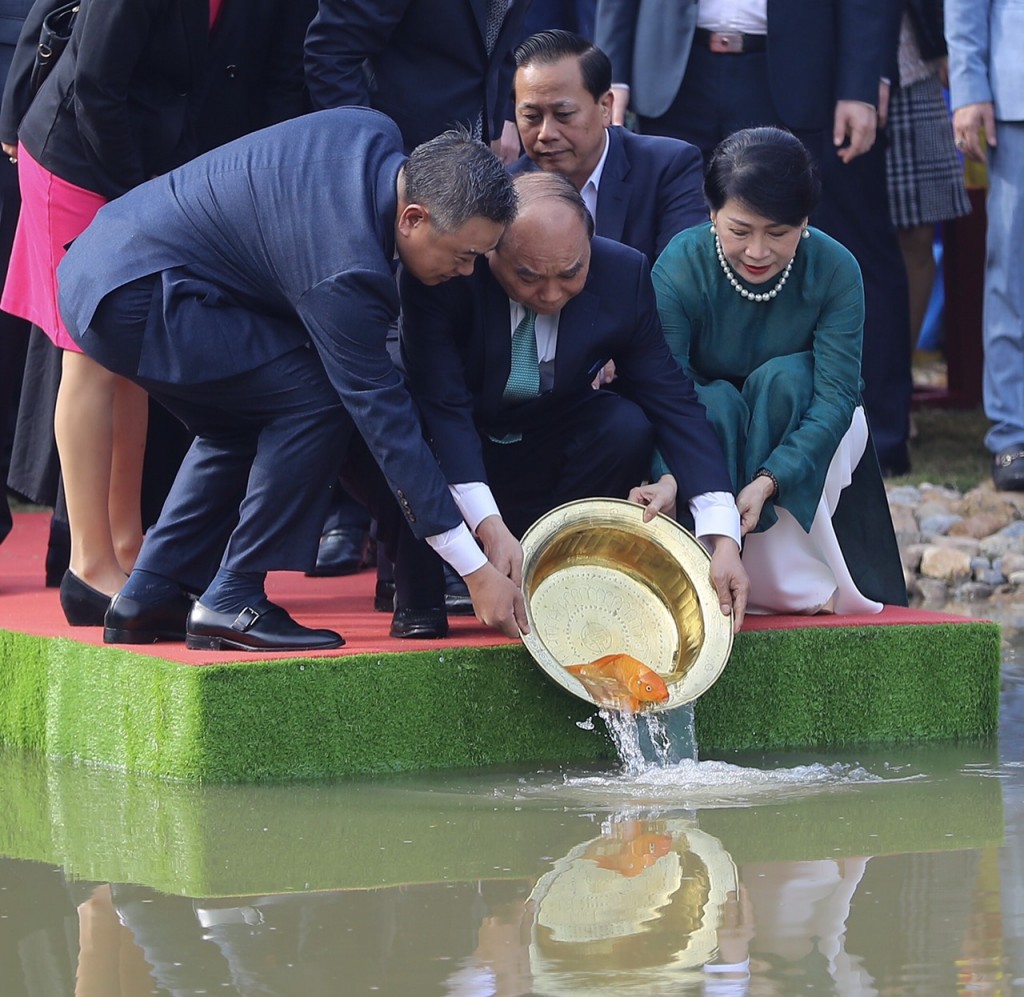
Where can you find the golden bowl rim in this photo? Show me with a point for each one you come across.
(678, 542)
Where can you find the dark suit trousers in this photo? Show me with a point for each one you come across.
(598, 446)
(854, 210)
(252, 491)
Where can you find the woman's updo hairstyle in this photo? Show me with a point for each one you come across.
(768, 170)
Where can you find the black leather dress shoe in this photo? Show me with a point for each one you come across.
(83, 605)
(131, 622)
(1008, 469)
(341, 552)
(424, 624)
(456, 595)
(266, 628)
(384, 596)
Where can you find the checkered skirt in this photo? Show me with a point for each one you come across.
(926, 182)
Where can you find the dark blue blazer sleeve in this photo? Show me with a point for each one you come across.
(342, 36)
(649, 375)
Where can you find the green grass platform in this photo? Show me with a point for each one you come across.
(380, 705)
(241, 840)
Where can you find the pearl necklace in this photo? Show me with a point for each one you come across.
(740, 289)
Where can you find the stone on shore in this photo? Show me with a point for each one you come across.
(961, 548)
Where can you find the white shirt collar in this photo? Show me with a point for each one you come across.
(590, 188)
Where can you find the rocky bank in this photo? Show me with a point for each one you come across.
(962, 552)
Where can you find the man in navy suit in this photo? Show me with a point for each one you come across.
(250, 291)
(514, 454)
(427, 64)
(641, 189)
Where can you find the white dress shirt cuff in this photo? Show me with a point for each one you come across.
(459, 549)
(475, 502)
(715, 514)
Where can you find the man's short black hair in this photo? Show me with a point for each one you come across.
(547, 47)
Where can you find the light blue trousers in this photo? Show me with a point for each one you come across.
(1003, 335)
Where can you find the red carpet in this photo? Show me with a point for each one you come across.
(343, 604)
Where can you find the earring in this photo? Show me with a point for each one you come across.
(805, 234)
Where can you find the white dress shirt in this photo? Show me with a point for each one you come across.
(747, 16)
(590, 188)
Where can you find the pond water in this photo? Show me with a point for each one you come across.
(891, 871)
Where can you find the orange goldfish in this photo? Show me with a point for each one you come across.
(632, 855)
(621, 682)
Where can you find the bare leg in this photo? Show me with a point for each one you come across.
(131, 417)
(916, 246)
(84, 426)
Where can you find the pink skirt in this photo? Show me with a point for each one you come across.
(53, 212)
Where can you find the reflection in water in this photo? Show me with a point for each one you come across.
(635, 910)
(651, 907)
(859, 885)
(875, 872)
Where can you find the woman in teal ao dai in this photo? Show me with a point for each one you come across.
(766, 315)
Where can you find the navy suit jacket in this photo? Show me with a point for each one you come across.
(169, 87)
(255, 75)
(422, 62)
(282, 239)
(457, 347)
(819, 51)
(651, 189)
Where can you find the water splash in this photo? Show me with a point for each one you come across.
(651, 740)
(658, 767)
(636, 751)
(691, 784)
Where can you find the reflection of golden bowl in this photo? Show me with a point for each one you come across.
(599, 580)
(601, 928)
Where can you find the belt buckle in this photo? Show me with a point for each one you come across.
(726, 41)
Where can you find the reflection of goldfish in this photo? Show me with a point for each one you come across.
(621, 682)
(631, 856)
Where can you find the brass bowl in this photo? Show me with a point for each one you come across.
(599, 580)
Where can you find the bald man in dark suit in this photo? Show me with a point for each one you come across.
(516, 454)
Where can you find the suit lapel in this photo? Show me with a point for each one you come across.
(576, 326)
(613, 194)
(496, 334)
(479, 8)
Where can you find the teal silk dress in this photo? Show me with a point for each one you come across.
(780, 380)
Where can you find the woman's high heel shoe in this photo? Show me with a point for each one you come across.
(83, 605)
